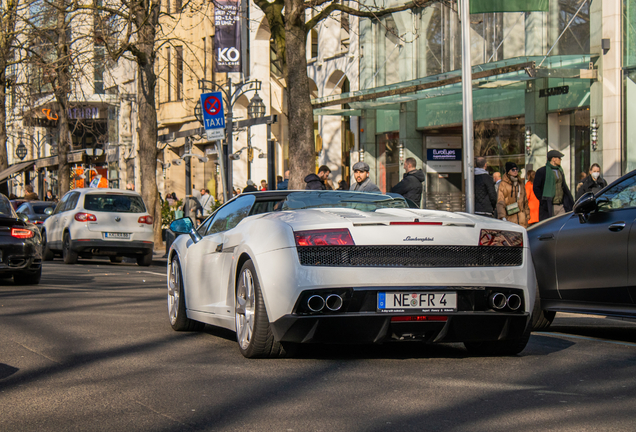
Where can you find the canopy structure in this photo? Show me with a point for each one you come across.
(15, 169)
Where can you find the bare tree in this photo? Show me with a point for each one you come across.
(289, 27)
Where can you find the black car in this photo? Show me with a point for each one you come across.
(20, 246)
(585, 261)
(35, 211)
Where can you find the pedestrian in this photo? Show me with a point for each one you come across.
(207, 202)
(533, 202)
(130, 186)
(251, 187)
(49, 196)
(410, 187)
(284, 185)
(172, 199)
(551, 188)
(485, 193)
(317, 181)
(195, 192)
(30, 195)
(512, 203)
(343, 185)
(363, 183)
(591, 183)
(496, 178)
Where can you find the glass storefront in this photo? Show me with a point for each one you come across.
(388, 160)
(629, 85)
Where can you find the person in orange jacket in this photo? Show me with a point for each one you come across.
(533, 202)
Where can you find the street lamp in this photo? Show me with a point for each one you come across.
(256, 107)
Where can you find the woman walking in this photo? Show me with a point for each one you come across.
(512, 204)
(592, 183)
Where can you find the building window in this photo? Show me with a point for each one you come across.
(344, 31)
(179, 73)
(168, 81)
(178, 5)
(98, 68)
(314, 43)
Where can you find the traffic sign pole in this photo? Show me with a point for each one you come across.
(219, 149)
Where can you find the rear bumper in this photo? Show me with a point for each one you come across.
(364, 328)
(20, 256)
(112, 247)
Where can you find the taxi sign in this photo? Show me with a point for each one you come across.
(212, 110)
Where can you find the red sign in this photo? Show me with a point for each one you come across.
(212, 105)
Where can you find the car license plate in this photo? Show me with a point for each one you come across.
(423, 301)
(111, 235)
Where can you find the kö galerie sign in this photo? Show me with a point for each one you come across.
(227, 36)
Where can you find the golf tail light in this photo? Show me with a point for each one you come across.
(85, 217)
(489, 237)
(325, 237)
(21, 233)
(146, 220)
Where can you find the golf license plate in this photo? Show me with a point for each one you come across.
(120, 236)
(423, 301)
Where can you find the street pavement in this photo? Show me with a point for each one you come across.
(91, 349)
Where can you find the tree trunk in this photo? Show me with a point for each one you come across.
(62, 88)
(302, 156)
(4, 160)
(147, 115)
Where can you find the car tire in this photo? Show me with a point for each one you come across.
(116, 259)
(541, 319)
(28, 277)
(253, 332)
(70, 256)
(508, 347)
(144, 260)
(176, 301)
(47, 253)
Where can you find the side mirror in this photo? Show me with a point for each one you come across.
(49, 211)
(24, 217)
(185, 226)
(584, 206)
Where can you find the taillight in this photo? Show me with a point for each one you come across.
(324, 237)
(146, 219)
(489, 237)
(85, 217)
(21, 233)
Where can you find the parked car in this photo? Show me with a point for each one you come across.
(586, 260)
(20, 246)
(286, 267)
(89, 222)
(15, 203)
(35, 211)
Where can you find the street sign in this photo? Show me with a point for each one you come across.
(212, 110)
(215, 134)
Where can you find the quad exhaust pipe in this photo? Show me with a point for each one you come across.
(332, 302)
(498, 301)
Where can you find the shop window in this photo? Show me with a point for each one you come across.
(500, 141)
(576, 39)
(388, 163)
(629, 33)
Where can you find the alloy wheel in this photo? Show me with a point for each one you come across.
(174, 288)
(245, 302)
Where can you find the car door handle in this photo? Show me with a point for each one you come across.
(618, 226)
(546, 237)
(219, 248)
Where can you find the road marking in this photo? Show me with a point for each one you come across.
(160, 274)
(629, 344)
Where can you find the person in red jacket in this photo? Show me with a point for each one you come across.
(533, 202)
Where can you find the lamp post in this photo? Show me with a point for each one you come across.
(255, 109)
(232, 93)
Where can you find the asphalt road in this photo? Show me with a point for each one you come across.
(91, 349)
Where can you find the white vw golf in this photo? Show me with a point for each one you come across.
(288, 267)
(88, 222)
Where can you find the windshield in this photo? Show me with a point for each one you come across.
(39, 208)
(367, 202)
(6, 209)
(114, 203)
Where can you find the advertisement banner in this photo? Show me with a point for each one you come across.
(227, 36)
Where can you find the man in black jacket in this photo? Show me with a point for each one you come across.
(551, 189)
(411, 185)
(485, 194)
(317, 181)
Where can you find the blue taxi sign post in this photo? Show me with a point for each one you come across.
(214, 125)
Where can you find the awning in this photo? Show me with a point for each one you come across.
(14, 169)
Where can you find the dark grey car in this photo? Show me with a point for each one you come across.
(585, 260)
(35, 211)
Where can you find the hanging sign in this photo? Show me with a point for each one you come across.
(227, 36)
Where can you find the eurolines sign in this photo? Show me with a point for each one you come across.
(444, 154)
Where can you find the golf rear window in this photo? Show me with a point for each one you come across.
(114, 203)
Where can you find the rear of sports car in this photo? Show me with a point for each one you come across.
(401, 275)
